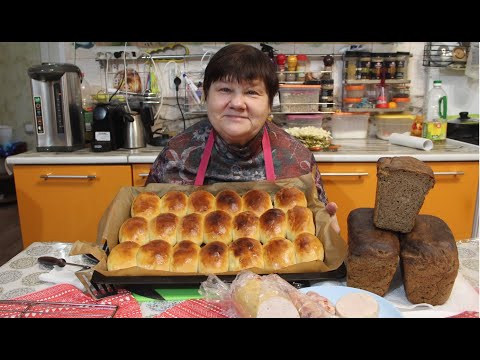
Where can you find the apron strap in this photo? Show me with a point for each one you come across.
(202, 169)
(267, 154)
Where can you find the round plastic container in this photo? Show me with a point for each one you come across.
(351, 102)
(355, 91)
(402, 103)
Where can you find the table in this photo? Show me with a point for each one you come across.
(20, 275)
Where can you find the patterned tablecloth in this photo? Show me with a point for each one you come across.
(20, 275)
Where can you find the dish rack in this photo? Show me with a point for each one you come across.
(37, 309)
(446, 55)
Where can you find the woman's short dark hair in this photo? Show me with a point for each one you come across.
(241, 62)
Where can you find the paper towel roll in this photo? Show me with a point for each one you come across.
(411, 141)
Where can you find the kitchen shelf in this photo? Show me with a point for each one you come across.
(376, 81)
(446, 56)
(375, 110)
(301, 112)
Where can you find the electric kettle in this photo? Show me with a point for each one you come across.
(134, 131)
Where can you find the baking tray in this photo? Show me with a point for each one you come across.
(299, 280)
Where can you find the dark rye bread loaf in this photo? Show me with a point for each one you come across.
(429, 261)
(402, 184)
(372, 256)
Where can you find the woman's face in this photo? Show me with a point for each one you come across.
(237, 111)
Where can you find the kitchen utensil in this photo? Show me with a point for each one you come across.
(134, 131)
(50, 260)
(463, 128)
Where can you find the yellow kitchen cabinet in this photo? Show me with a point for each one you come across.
(351, 186)
(65, 202)
(453, 198)
(140, 174)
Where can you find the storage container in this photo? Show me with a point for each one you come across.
(301, 120)
(355, 91)
(299, 98)
(349, 125)
(403, 103)
(393, 123)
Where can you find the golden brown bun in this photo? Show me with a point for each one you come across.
(257, 201)
(164, 227)
(273, 223)
(191, 228)
(288, 197)
(299, 220)
(185, 257)
(156, 255)
(123, 256)
(245, 253)
(246, 224)
(308, 248)
(200, 201)
(218, 226)
(213, 258)
(174, 202)
(278, 253)
(134, 229)
(229, 201)
(146, 204)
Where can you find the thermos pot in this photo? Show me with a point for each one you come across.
(57, 107)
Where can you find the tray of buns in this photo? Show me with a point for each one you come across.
(178, 234)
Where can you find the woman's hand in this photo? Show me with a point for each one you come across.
(332, 210)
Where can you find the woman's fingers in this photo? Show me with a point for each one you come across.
(331, 208)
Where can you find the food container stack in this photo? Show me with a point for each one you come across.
(299, 98)
(393, 123)
(349, 125)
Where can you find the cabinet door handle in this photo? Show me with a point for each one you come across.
(143, 174)
(345, 174)
(46, 177)
(448, 173)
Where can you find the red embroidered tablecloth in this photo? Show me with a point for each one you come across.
(128, 307)
(197, 308)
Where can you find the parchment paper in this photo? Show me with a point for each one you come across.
(119, 210)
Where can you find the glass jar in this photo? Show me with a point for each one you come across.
(351, 59)
(376, 66)
(401, 71)
(390, 65)
(326, 95)
(301, 66)
(365, 60)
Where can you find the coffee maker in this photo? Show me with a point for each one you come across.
(57, 107)
(108, 127)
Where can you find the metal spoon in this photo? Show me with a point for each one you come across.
(50, 260)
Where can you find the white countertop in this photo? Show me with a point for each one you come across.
(350, 150)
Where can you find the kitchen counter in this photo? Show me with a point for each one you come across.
(22, 275)
(350, 150)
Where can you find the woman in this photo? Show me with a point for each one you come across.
(236, 142)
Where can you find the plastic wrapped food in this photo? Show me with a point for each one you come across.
(254, 296)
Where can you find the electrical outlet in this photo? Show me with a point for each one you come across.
(172, 74)
(133, 52)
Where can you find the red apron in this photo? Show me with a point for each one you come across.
(267, 154)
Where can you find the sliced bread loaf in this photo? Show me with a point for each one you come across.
(402, 185)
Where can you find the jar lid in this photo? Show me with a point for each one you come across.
(302, 57)
(401, 99)
(352, 100)
(355, 87)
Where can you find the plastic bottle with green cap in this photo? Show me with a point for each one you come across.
(435, 114)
